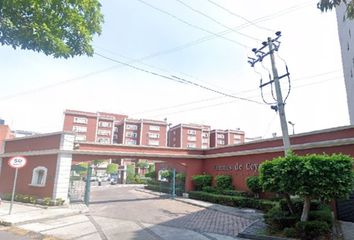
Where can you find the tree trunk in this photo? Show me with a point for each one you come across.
(289, 203)
(306, 209)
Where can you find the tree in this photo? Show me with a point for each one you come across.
(314, 176)
(62, 28)
(325, 5)
(112, 168)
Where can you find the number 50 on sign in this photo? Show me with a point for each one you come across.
(17, 162)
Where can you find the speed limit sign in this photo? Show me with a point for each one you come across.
(17, 162)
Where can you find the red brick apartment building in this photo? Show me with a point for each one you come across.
(219, 138)
(109, 128)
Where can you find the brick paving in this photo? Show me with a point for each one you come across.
(212, 222)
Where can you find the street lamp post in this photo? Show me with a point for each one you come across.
(293, 126)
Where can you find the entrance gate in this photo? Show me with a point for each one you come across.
(345, 209)
(77, 184)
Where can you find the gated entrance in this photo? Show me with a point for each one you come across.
(77, 184)
(345, 209)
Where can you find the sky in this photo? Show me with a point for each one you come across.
(204, 42)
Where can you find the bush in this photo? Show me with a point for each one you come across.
(209, 189)
(224, 182)
(151, 175)
(233, 201)
(290, 232)
(322, 215)
(298, 204)
(254, 184)
(279, 220)
(201, 181)
(312, 229)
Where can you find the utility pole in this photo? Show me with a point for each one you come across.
(283, 122)
(273, 45)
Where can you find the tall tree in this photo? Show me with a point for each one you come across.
(325, 5)
(61, 28)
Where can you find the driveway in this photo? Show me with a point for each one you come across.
(125, 213)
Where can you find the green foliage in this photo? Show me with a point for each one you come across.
(81, 169)
(201, 181)
(254, 184)
(180, 178)
(112, 168)
(279, 220)
(60, 28)
(325, 5)
(233, 201)
(33, 199)
(142, 164)
(164, 187)
(224, 182)
(151, 175)
(167, 174)
(313, 176)
(130, 174)
(298, 204)
(312, 229)
(324, 215)
(290, 232)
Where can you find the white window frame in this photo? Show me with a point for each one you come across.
(205, 141)
(192, 138)
(79, 129)
(154, 128)
(221, 136)
(205, 135)
(221, 141)
(236, 136)
(103, 132)
(154, 142)
(81, 120)
(154, 135)
(104, 124)
(131, 127)
(35, 175)
(191, 132)
(131, 134)
(80, 138)
(130, 142)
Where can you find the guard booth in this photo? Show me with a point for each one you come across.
(345, 209)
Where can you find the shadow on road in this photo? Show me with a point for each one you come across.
(127, 200)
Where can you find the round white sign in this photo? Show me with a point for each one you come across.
(17, 162)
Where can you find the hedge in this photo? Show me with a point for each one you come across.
(233, 201)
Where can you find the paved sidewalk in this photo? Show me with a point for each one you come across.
(26, 213)
(347, 230)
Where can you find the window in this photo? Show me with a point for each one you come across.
(221, 142)
(154, 135)
(237, 136)
(103, 140)
(104, 124)
(39, 176)
(154, 128)
(237, 141)
(205, 135)
(154, 142)
(222, 136)
(116, 129)
(205, 140)
(103, 132)
(191, 145)
(79, 129)
(81, 120)
(174, 132)
(80, 138)
(131, 134)
(130, 141)
(192, 132)
(204, 146)
(132, 127)
(192, 138)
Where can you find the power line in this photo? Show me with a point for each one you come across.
(239, 16)
(176, 79)
(216, 21)
(192, 25)
(159, 53)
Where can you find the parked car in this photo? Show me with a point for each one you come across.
(113, 180)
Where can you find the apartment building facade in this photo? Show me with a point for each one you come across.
(219, 138)
(189, 136)
(110, 128)
(345, 31)
(92, 127)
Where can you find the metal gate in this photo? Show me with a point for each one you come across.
(77, 188)
(345, 209)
